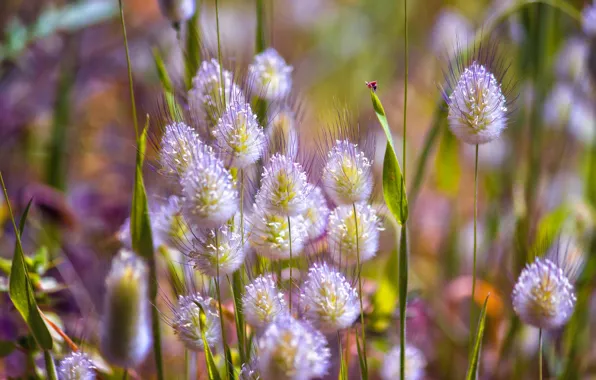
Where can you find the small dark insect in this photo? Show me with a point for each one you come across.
(372, 85)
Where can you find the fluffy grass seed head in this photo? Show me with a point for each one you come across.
(316, 214)
(342, 238)
(76, 366)
(543, 295)
(415, 364)
(347, 176)
(209, 195)
(477, 107)
(328, 300)
(283, 187)
(168, 224)
(589, 20)
(270, 76)
(177, 11)
(206, 98)
(239, 136)
(282, 134)
(262, 302)
(178, 143)
(186, 322)
(270, 236)
(291, 349)
(125, 332)
(217, 251)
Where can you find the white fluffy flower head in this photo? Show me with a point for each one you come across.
(290, 349)
(328, 300)
(186, 322)
(168, 224)
(239, 136)
(344, 241)
(415, 364)
(262, 301)
(210, 197)
(283, 187)
(177, 11)
(178, 143)
(477, 106)
(543, 296)
(347, 176)
(76, 366)
(217, 251)
(270, 75)
(270, 234)
(316, 214)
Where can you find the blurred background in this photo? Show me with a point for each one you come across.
(67, 140)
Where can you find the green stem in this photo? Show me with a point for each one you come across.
(129, 68)
(540, 354)
(360, 295)
(125, 374)
(290, 240)
(221, 316)
(475, 248)
(221, 76)
(403, 297)
(50, 365)
(260, 32)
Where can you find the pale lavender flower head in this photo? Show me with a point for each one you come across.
(76, 366)
(206, 99)
(168, 224)
(262, 302)
(283, 187)
(328, 300)
(347, 176)
(125, 334)
(543, 295)
(270, 76)
(291, 349)
(589, 20)
(316, 214)
(477, 107)
(186, 322)
(217, 251)
(177, 11)
(178, 143)
(238, 135)
(249, 371)
(344, 242)
(270, 234)
(208, 191)
(415, 364)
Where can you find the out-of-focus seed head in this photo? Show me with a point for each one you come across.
(186, 322)
(210, 198)
(342, 238)
(206, 98)
(270, 76)
(283, 187)
(347, 176)
(125, 327)
(177, 11)
(217, 251)
(238, 136)
(328, 300)
(282, 135)
(178, 143)
(589, 20)
(249, 371)
(543, 296)
(572, 61)
(415, 364)
(270, 236)
(477, 106)
(290, 349)
(262, 302)
(316, 214)
(168, 223)
(449, 29)
(76, 366)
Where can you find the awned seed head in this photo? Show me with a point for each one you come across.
(186, 322)
(76, 366)
(262, 302)
(270, 234)
(177, 11)
(415, 364)
(270, 76)
(316, 214)
(217, 251)
(178, 143)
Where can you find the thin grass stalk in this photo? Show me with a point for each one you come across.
(260, 32)
(540, 354)
(475, 247)
(360, 295)
(50, 365)
(343, 369)
(290, 240)
(125, 374)
(129, 69)
(221, 75)
(193, 46)
(221, 317)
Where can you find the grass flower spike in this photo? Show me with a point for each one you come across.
(239, 136)
(125, 326)
(210, 198)
(218, 251)
(177, 11)
(270, 75)
(543, 295)
(290, 349)
(168, 224)
(282, 135)
(328, 300)
(178, 143)
(415, 364)
(347, 176)
(343, 240)
(262, 302)
(76, 366)
(186, 322)
(316, 214)
(270, 234)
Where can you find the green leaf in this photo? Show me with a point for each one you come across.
(394, 187)
(361, 359)
(192, 59)
(448, 169)
(211, 366)
(475, 357)
(385, 298)
(239, 315)
(548, 227)
(20, 290)
(167, 85)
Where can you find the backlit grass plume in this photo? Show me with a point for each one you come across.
(262, 301)
(270, 234)
(186, 322)
(270, 76)
(218, 251)
(125, 334)
(178, 143)
(76, 366)
(316, 214)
